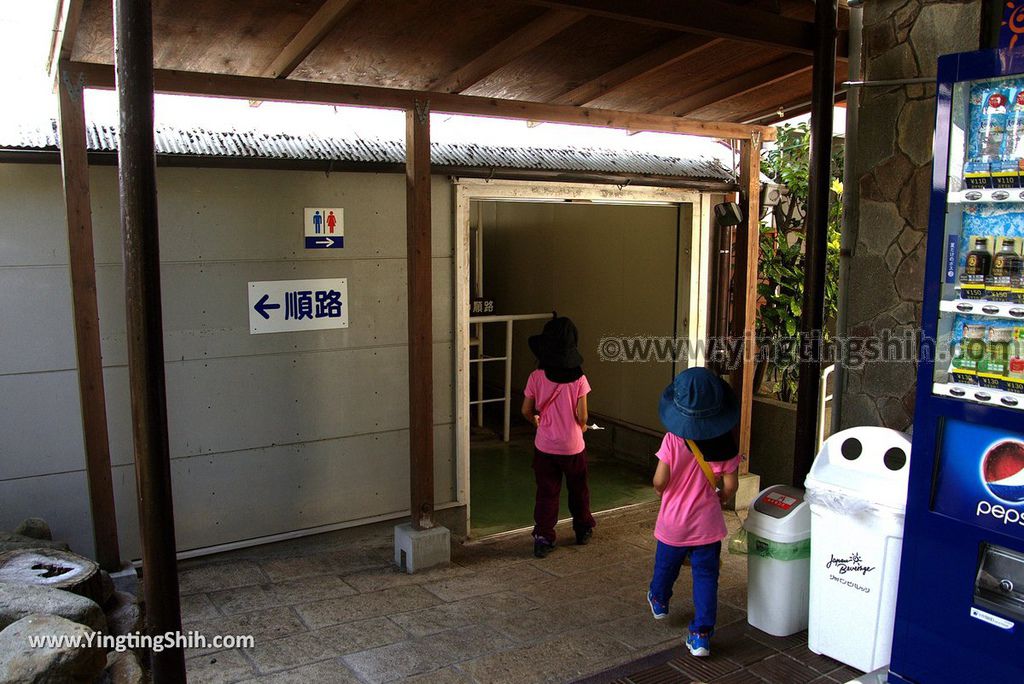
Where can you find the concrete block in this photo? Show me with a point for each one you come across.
(127, 580)
(750, 485)
(421, 549)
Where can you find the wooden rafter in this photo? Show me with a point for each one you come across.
(740, 85)
(308, 37)
(65, 28)
(311, 92)
(790, 109)
(538, 31)
(660, 57)
(706, 17)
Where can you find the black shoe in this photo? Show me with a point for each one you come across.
(583, 538)
(541, 549)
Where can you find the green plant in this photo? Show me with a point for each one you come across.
(781, 264)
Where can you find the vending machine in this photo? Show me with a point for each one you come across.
(960, 610)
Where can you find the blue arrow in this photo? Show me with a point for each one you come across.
(262, 306)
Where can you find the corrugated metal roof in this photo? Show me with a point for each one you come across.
(171, 140)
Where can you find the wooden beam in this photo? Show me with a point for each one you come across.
(790, 109)
(133, 49)
(75, 169)
(747, 250)
(288, 90)
(538, 31)
(421, 337)
(746, 82)
(65, 28)
(660, 57)
(713, 18)
(308, 37)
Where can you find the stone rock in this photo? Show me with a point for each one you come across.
(107, 587)
(859, 409)
(55, 665)
(909, 239)
(14, 542)
(871, 288)
(910, 277)
(52, 568)
(915, 198)
(892, 414)
(20, 600)
(123, 668)
(123, 614)
(879, 224)
(35, 528)
(893, 174)
(893, 64)
(875, 139)
(916, 128)
(893, 257)
(887, 378)
(879, 37)
(904, 19)
(875, 12)
(944, 28)
(869, 189)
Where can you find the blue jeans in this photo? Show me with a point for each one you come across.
(704, 562)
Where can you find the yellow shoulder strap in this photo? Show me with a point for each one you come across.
(708, 473)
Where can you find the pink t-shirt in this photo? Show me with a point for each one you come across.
(690, 514)
(558, 432)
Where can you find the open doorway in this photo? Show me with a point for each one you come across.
(620, 267)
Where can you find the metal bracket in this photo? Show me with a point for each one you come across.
(422, 110)
(74, 88)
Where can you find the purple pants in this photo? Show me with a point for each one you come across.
(549, 469)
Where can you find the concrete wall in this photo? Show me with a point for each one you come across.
(268, 433)
(891, 161)
(611, 268)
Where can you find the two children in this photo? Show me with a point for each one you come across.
(697, 470)
(699, 411)
(556, 403)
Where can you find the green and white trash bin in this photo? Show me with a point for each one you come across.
(778, 547)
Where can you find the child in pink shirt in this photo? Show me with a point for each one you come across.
(556, 404)
(699, 410)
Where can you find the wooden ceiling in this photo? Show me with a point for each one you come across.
(702, 60)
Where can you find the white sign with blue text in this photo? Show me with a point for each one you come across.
(323, 227)
(295, 305)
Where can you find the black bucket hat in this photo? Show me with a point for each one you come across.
(556, 352)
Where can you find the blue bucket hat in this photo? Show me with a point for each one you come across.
(698, 405)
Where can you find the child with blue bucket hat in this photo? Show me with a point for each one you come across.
(697, 471)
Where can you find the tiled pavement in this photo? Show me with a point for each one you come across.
(332, 609)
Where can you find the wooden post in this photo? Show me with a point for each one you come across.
(812, 319)
(421, 373)
(77, 203)
(133, 49)
(748, 249)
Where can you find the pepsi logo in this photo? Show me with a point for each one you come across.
(1002, 470)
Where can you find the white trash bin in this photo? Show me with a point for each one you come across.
(778, 529)
(857, 490)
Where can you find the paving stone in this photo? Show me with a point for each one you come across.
(377, 579)
(449, 675)
(781, 668)
(261, 624)
(642, 631)
(259, 596)
(536, 624)
(435, 652)
(220, 667)
(705, 669)
(562, 658)
(331, 671)
(352, 637)
(482, 583)
(460, 613)
(569, 560)
(197, 607)
(283, 569)
(361, 606)
(216, 576)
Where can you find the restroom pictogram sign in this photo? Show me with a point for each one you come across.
(324, 227)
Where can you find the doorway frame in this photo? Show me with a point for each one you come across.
(467, 190)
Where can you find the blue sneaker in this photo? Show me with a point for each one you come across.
(699, 644)
(658, 609)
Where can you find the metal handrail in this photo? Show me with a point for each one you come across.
(479, 402)
(822, 401)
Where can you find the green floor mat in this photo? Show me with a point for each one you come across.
(502, 486)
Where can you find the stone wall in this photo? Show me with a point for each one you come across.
(891, 160)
